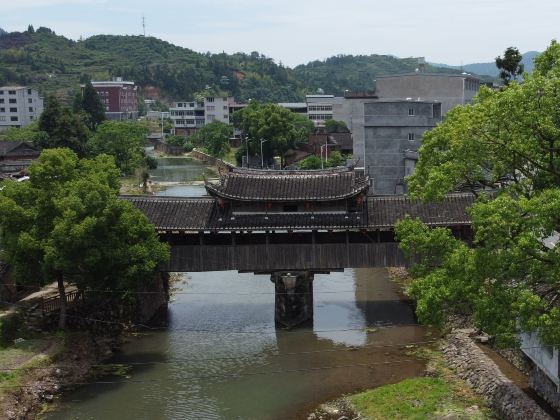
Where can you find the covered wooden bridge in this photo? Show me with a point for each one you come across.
(265, 221)
(292, 224)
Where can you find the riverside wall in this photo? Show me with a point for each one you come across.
(482, 374)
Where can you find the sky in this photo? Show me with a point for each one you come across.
(295, 32)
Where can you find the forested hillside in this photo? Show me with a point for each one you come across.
(53, 63)
(339, 73)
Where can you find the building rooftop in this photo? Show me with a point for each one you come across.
(8, 146)
(267, 185)
(13, 87)
(463, 75)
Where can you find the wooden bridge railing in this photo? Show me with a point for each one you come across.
(52, 304)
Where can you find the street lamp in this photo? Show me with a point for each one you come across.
(247, 149)
(262, 157)
(326, 146)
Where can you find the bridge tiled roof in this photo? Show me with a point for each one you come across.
(200, 214)
(385, 211)
(258, 185)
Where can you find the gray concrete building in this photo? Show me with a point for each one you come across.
(449, 89)
(19, 106)
(393, 131)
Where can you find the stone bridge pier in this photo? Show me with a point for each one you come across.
(293, 297)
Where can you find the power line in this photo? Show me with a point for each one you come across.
(239, 375)
(207, 359)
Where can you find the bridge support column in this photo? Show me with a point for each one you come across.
(294, 297)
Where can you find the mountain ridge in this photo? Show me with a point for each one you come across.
(54, 63)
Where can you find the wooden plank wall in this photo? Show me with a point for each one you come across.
(283, 257)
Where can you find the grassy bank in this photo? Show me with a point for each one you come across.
(439, 394)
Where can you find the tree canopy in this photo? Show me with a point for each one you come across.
(507, 140)
(510, 65)
(213, 138)
(92, 106)
(62, 128)
(123, 140)
(281, 128)
(67, 222)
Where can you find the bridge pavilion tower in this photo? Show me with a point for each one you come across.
(308, 201)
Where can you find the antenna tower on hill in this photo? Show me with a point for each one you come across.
(144, 25)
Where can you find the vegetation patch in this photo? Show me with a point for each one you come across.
(439, 394)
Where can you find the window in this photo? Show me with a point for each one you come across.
(30, 109)
(411, 111)
(2, 109)
(210, 117)
(1, 92)
(210, 99)
(210, 108)
(410, 136)
(11, 92)
(290, 208)
(13, 101)
(13, 118)
(1, 100)
(13, 109)
(225, 107)
(31, 118)
(29, 91)
(2, 118)
(29, 100)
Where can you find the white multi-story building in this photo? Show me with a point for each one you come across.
(319, 108)
(19, 106)
(189, 116)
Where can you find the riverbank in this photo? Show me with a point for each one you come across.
(439, 393)
(37, 371)
(462, 380)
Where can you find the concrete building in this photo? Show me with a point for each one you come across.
(189, 116)
(393, 131)
(19, 106)
(448, 89)
(119, 98)
(319, 108)
(297, 107)
(545, 375)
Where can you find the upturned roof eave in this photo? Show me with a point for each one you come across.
(212, 190)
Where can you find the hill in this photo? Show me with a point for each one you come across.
(356, 73)
(53, 63)
(490, 69)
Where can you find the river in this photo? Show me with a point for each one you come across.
(222, 357)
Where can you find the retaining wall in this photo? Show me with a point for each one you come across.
(482, 374)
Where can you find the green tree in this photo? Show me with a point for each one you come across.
(214, 138)
(91, 104)
(310, 162)
(281, 128)
(29, 133)
(509, 279)
(123, 140)
(335, 159)
(63, 128)
(510, 65)
(175, 140)
(334, 126)
(68, 224)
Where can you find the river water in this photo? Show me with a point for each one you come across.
(222, 357)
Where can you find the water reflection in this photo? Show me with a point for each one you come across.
(223, 358)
